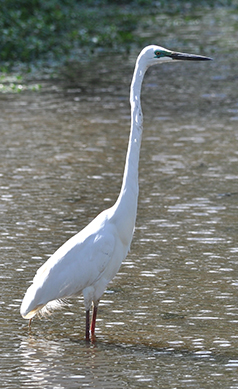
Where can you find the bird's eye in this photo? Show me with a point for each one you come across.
(157, 53)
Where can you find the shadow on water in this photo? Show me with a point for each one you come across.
(108, 364)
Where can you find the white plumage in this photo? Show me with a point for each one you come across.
(85, 263)
(88, 261)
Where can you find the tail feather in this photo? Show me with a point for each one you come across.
(42, 310)
(50, 307)
(32, 313)
(34, 303)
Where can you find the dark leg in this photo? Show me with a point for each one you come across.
(95, 310)
(87, 325)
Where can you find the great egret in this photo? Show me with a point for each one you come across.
(88, 261)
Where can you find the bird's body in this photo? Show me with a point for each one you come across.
(85, 263)
(88, 261)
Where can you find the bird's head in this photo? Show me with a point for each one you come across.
(157, 54)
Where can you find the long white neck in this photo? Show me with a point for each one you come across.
(130, 177)
(126, 204)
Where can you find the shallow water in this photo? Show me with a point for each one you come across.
(169, 318)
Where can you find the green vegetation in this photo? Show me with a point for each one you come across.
(14, 83)
(55, 30)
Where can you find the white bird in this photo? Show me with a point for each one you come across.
(88, 261)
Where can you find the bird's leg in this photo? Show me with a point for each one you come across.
(87, 325)
(29, 324)
(93, 323)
